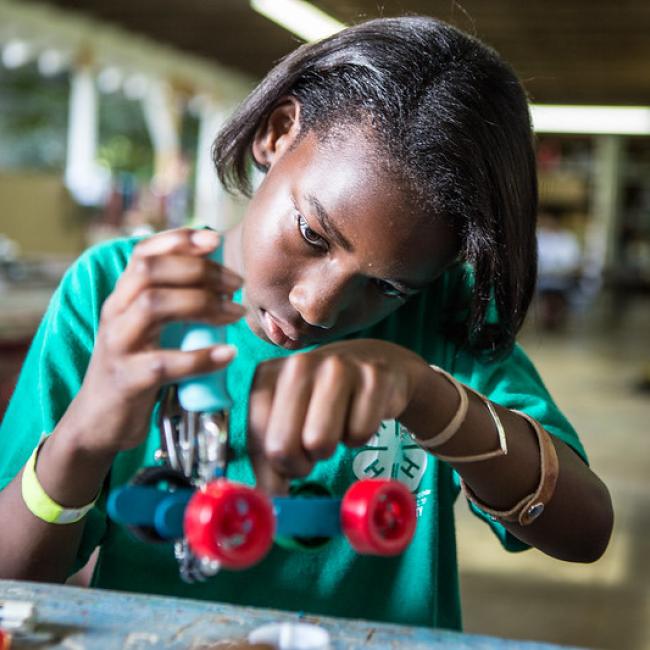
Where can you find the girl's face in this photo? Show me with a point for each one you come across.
(330, 243)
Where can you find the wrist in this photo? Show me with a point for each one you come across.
(69, 472)
(464, 438)
(433, 402)
(86, 430)
(40, 503)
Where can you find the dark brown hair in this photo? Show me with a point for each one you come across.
(453, 119)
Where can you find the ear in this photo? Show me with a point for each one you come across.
(278, 132)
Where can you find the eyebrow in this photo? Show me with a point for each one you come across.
(326, 223)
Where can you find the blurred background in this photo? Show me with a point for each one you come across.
(107, 113)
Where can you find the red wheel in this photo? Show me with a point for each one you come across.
(5, 640)
(231, 523)
(378, 516)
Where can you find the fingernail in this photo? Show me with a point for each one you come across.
(223, 353)
(204, 238)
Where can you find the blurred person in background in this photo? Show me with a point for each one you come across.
(559, 266)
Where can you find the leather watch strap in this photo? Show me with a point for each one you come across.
(530, 507)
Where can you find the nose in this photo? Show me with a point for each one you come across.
(320, 297)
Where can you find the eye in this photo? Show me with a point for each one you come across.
(389, 290)
(309, 235)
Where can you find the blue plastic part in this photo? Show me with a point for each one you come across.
(202, 393)
(141, 505)
(168, 519)
(307, 516)
(134, 505)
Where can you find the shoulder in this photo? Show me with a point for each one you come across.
(512, 380)
(98, 268)
(111, 257)
(89, 281)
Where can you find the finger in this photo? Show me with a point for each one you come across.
(283, 438)
(260, 402)
(183, 270)
(186, 241)
(368, 405)
(142, 322)
(168, 270)
(148, 370)
(328, 409)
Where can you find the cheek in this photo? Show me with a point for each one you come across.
(269, 254)
(370, 311)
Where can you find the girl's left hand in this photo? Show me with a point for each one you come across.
(302, 406)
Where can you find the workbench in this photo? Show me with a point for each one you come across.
(94, 619)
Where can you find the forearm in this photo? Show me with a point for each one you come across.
(31, 548)
(576, 523)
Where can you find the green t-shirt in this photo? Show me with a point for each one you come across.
(420, 587)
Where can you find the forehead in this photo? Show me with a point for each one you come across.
(372, 208)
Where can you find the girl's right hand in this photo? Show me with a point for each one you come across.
(168, 278)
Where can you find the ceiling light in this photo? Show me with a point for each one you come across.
(109, 79)
(197, 104)
(51, 62)
(593, 120)
(135, 86)
(16, 53)
(299, 17)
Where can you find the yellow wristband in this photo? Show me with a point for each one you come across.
(39, 502)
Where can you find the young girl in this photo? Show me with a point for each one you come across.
(391, 237)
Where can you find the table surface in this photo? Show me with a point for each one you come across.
(94, 619)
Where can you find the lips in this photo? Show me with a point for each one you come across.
(281, 334)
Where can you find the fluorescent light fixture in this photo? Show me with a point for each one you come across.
(299, 17)
(614, 120)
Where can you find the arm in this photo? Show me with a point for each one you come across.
(97, 408)
(302, 406)
(31, 548)
(577, 522)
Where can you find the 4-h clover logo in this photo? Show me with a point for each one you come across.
(391, 453)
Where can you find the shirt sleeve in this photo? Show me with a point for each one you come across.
(513, 382)
(54, 369)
